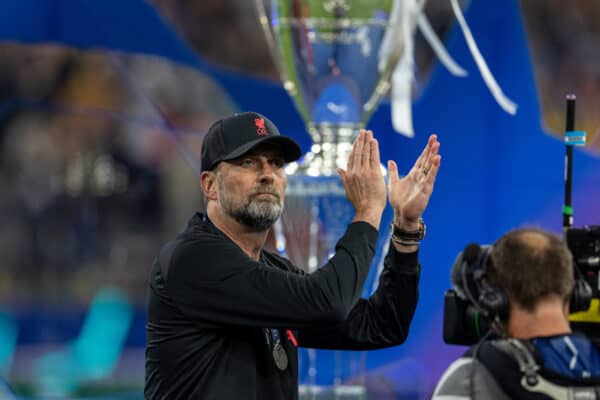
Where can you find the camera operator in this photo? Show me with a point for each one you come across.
(525, 283)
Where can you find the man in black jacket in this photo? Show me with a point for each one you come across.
(225, 316)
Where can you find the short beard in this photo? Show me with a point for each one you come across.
(256, 215)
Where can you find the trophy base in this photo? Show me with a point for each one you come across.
(315, 216)
(340, 392)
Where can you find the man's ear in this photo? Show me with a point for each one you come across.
(566, 308)
(208, 182)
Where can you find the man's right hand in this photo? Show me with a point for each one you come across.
(363, 180)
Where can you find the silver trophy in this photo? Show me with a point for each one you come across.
(329, 54)
(330, 60)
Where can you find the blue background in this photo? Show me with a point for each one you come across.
(498, 171)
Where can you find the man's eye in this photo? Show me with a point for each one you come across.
(278, 163)
(247, 162)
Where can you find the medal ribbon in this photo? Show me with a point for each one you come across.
(275, 336)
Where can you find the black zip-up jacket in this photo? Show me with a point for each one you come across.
(209, 304)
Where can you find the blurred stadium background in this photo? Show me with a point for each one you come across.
(93, 179)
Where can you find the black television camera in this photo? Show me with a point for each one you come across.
(467, 305)
(584, 243)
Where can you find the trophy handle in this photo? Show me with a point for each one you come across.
(392, 48)
(265, 24)
(289, 83)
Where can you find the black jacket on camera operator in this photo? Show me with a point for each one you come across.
(523, 284)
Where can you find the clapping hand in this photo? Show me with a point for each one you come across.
(363, 179)
(410, 194)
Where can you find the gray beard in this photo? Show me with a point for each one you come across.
(256, 215)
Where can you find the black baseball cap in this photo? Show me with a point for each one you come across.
(234, 136)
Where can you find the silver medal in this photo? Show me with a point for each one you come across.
(280, 357)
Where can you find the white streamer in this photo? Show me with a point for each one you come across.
(403, 75)
(507, 105)
(391, 33)
(438, 48)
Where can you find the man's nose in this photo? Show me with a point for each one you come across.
(267, 172)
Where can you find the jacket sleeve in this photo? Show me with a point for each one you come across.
(383, 319)
(212, 281)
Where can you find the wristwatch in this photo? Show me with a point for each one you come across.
(400, 235)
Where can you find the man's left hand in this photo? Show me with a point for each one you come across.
(410, 194)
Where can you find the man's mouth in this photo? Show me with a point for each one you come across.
(266, 194)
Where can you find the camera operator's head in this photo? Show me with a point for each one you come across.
(534, 269)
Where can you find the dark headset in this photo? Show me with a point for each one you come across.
(469, 279)
(581, 297)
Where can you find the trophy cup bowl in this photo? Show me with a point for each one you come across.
(335, 59)
(329, 55)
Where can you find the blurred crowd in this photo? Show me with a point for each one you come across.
(90, 177)
(564, 39)
(91, 181)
